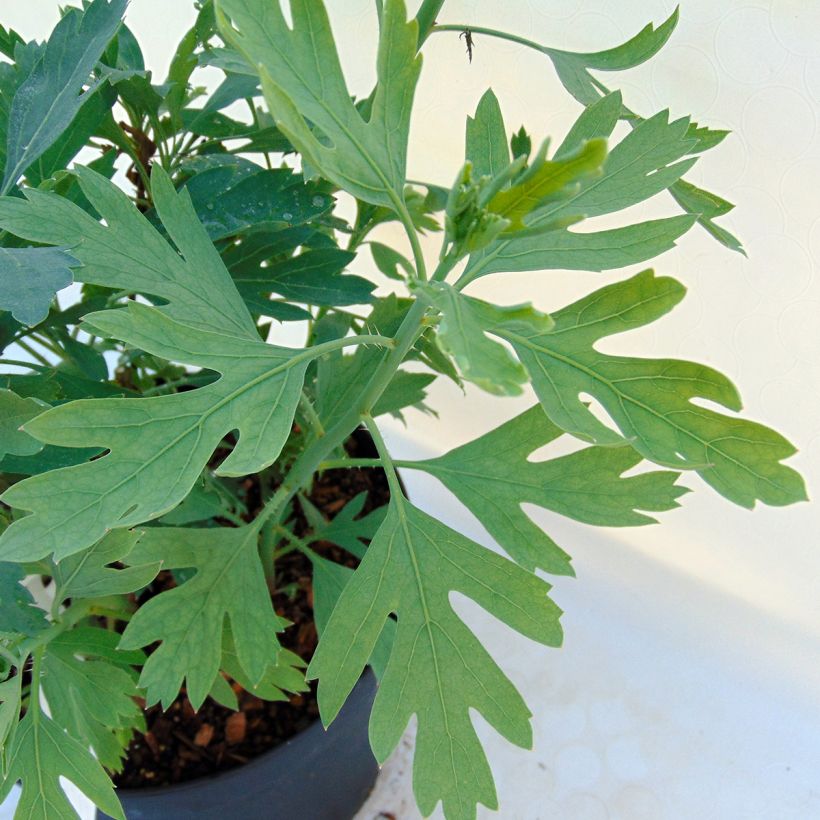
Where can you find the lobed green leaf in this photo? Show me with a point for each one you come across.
(437, 668)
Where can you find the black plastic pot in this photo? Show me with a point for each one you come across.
(317, 775)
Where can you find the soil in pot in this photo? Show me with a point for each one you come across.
(181, 745)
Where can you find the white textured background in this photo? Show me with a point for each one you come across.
(689, 685)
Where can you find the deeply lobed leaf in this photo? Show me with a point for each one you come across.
(493, 477)
(157, 446)
(29, 278)
(303, 83)
(657, 404)
(437, 668)
(48, 99)
(40, 754)
(645, 162)
(229, 579)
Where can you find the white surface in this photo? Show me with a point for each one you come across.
(688, 684)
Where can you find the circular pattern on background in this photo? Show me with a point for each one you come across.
(610, 716)
(799, 329)
(754, 207)
(778, 122)
(811, 79)
(555, 9)
(591, 31)
(746, 47)
(638, 803)
(577, 766)
(625, 758)
(582, 806)
(795, 24)
(760, 352)
(814, 242)
(700, 90)
(778, 267)
(799, 188)
(723, 167)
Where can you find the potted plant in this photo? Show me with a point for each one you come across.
(200, 501)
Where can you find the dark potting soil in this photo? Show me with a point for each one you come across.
(180, 744)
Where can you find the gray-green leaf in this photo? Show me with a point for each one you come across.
(438, 670)
(229, 578)
(29, 279)
(493, 477)
(14, 412)
(652, 401)
(49, 98)
(303, 82)
(40, 754)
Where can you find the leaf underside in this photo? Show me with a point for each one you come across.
(437, 668)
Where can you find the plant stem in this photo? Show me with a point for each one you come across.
(492, 32)
(362, 463)
(349, 463)
(295, 542)
(48, 344)
(312, 416)
(312, 456)
(426, 18)
(267, 552)
(31, 365)
(412, 235)
(12, 659)
(32, 352)
(34, 688)
(389, 466)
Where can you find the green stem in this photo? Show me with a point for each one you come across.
(13, 660)
(389, 466)
(34, 689)
(76, 612)
(314, 454)
(312, 416)
(48, 344)
(426, 18)
(32, 352)
(349, 463)
(31, 365)
(492, 32)
(267, 552)
(361, 463)
(255, 116)
(295, 542)
(412, 235)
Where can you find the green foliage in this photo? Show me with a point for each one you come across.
(650, 400)
(156, 440)
(46, 102)
(257, 395)
(92, 697)
(18, 612)
(648, 160)
(438, 670)
(90, 574)
(480, 359)
(14, 412)
(493, 476)
(29, 278)
(573, 68)
(40, 753)
(303, 82)
(229, 577)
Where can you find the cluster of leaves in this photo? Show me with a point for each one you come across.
(129, 418)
